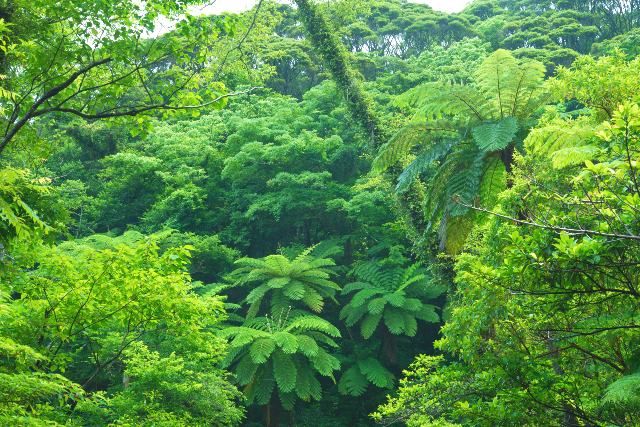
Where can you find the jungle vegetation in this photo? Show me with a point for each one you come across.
(336, 213)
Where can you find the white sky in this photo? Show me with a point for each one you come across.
(241, 5)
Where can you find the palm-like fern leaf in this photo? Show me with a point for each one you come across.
(496, 136)
(421, 164)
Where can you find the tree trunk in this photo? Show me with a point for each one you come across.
(335, 57)
(272, 414)
(389, 346)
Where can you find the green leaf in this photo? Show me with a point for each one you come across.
(324, 363)
(307, 386)
(394, 321)
(261, 349)
(362, 296)
(352, 382)
(286, 341)
(396, 299)
(313, 300)
(369, 325)
(278, 282)
(428, 314)
(288, 400)
(245, 370)
(421, 164)
(624, 394)
(295, 291)
(376, 306)
(307, 345)
(284, 371)
(410, 324)
(491, 137)
(263, 386)
(377, 374)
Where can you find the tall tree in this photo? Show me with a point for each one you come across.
(335, 57)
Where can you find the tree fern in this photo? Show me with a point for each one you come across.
(407, 138)
(304, 280)
(513, 87)
(392, 298)
(486, 115)
(362, 373)
(280, 357)
(622, 399)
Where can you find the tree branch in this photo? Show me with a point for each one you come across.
(32, 112)
(553, 228)
(139, 110)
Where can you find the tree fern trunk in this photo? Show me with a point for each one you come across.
(272, 414)
(389, 346)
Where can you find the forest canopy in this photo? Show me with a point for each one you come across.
(336, 213)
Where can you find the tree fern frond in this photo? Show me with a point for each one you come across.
(376, 373)
(352, 315)
(307, 345)
(303, 382)
(428, 314)
(278, 282)
(305, 253)
(257, 294)
(286, 341)
(412, 304)
(496, 136)
(294, 291)
(396, 299)
(284, 371)
(307, 386)
(324, 363)
(354, 286)
(464, 184)
(399, 146)
(313, 300)
(370, 324)
(279, 264)
(410, 324)
(394, 320)
(288, 400)
(363, 296)
(435, 101)
(246, 370)
(313, 323)
(376, 305)
(623, 395)
(421, 164)
(352, 382)
(327, 249)
(511, 84)
(261, 349)
(263, 386)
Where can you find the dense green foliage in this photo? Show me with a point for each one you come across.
(340, 213)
